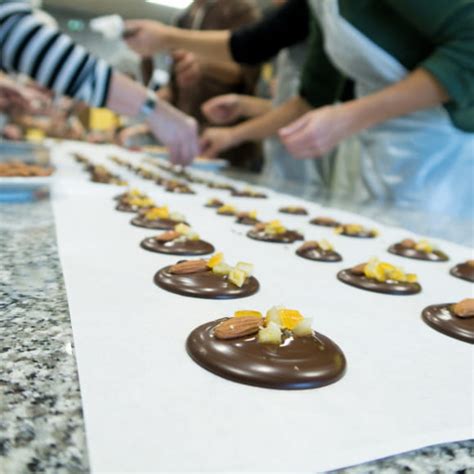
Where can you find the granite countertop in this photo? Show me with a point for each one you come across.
(41, 420)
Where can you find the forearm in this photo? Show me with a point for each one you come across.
(252, 106)
(223, 71)
(209, 45)
(417, 91)
(269, 123)
(125, 95)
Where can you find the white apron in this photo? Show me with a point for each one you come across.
(280, 167)
(419, 160)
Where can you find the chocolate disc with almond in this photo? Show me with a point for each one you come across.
(234, 348)
(247, 218)
(295, 210)
(214, 203)
(160, 223)
(208, 279)
(454, 320)
(177, 246)
(380, 277)
(421, 250)
(465, 271)
(248, 193)
(355, 230)
(274, 232)
(325, 222)
(318, 251)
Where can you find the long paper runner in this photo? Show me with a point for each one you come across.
(149, 407)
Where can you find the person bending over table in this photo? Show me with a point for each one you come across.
(53, 60)
(413, 67)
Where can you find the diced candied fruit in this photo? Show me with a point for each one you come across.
(237, 277)
(253, 214)
(325, 245)
(273, 315)
(290, 318)
(247, 268)
(215, 260)
(183, 229)
(222, 269)
(271, 334)
(157, 213)
(177, 217)
(303, 328)
(424, 246)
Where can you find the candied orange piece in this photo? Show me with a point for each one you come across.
(215, 260)
(247, 312)
(290, 318)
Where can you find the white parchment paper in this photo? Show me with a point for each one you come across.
(149, 407)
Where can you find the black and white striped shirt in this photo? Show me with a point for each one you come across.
(50, 57)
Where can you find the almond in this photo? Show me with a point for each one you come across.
(325, 220)
(260, 226)
(310, 245)
(167, 236)
(359, 269)
(189, 266)
(408, 243)
(464, 309)
(470, 263)
(238, 327)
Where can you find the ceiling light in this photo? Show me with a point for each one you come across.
(178, 4)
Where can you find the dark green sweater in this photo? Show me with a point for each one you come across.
(436, 35)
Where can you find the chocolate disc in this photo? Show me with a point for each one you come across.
(246, 220)
(442, 318)
(370, 284)
(319, 255)
(287, 237)
(248, 194)
(180, 190)
(324, 223)
(171, 247)
(299, 363)
(215, 205)
(298, 211)
(463, 271)
(363, 234)
(161, 224)
(435, 256)
(124, 207)
(226, 213)
(204, 285)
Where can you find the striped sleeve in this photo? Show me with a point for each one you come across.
(50, 57)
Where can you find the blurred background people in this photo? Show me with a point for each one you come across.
(194, 80)
(53, 60)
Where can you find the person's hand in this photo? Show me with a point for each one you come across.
(215, 140)
(12, 132)
(12, 94)
(177, 131)
(187, 68)
(223, 109)
(317, 132)
(145, 37)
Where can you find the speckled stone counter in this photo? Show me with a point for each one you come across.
(41, 422)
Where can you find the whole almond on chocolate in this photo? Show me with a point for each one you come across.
(464, 309)
(233, 328)
(359, 269)
(167, 236)
(408, 243)
(310, 245)
(189, 266)
(470, 263)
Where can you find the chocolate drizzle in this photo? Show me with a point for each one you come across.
(402, 251)
(370, 284)
(161, 224)
(463, 271)
(204, 285)
(173, 247)
(441, 318)
(299, 363)
(287, 237)
(318, 254)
